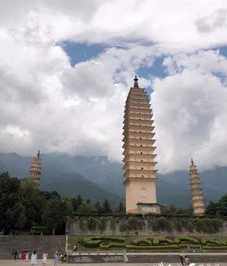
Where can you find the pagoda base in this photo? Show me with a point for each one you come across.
(148, 208)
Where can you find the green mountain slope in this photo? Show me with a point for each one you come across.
(99, 178)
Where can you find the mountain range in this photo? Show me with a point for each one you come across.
(98, 178)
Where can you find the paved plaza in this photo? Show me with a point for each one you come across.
(50, 262)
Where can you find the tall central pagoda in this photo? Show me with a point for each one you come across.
(139, 153)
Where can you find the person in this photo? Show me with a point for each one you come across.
(56, 258)
(34, 258)
(15, 254)
(125, 256)
(187, 261)
(44, 259)
(27, 257)
(182, 260)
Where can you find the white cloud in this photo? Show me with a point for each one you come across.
(191, 112)
(48, 104)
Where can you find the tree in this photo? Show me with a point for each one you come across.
(218, 208)
(222, 206)
(106, 207)
(9, 197)
(54, 215)
(212, 208)
(34, 203)
(76, 202)
(121, 207)
(86, 209)
(98, 208)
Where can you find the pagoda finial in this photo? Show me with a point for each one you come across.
(38, 154)
(136, 85)
(192, 162)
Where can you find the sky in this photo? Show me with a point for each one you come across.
(66, 68)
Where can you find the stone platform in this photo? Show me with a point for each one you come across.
(50, 262)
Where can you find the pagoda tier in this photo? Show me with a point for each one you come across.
(36, 169)
(139, 153)
(196, 190)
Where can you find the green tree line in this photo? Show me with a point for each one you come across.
(23, 206)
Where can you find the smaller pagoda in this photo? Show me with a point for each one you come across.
(198, 204)
(36, 169)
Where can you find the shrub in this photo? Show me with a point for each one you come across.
(82, 224)
(162, 224)
(215, 247)
(211, 242)
(188, 240)
(135, 223)
(156, 242)
(169, 247)
(165, 241)
(112, 239)
(123, 227)
(112, 245)
(90, 243)
(177, 224)
(102, 224)
(142, 243)
(91, 224)
(113, 224)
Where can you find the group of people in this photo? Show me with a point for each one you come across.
(34, 257)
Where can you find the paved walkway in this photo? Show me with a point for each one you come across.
(50, 263)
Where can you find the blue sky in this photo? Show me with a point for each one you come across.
(81, 52)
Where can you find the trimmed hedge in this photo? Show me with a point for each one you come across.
(112, 245)
(145, 242)
(153, 244)
(169, 247)
(188, 240)
(90, 243)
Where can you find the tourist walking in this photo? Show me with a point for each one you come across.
(34, 258)
(187, 261)
(44, 259)
(182, 260)
(15, 254)
(125, 256)
(27, 257)
(56, 258)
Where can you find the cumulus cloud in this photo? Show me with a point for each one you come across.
(47, 103)
(191, 112)
(213, 22)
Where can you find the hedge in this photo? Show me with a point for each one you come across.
(188, 240)
(215, 247)
(145, 242)
(153, 244)
(90, 244)
(169, 247)
(112, 245)
(113, 239)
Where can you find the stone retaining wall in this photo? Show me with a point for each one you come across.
(127, 225)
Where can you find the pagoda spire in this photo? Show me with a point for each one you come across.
(36, 169)
(196, 191)
(136, 85)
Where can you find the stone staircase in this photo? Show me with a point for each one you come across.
(49, 244)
